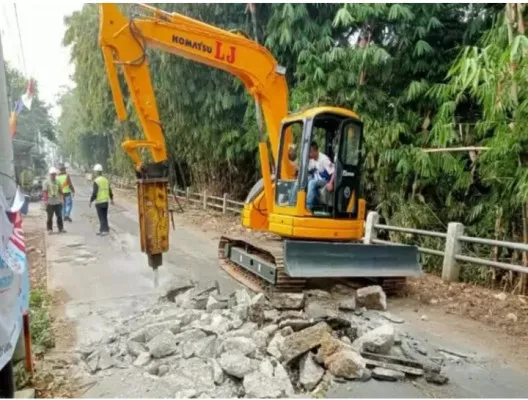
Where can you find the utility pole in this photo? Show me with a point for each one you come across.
(7, 165)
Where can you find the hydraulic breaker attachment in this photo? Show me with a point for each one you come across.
(152, 194)
(315, 259)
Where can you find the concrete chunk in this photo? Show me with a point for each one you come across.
(142, 359)
(257, 385)
(134, 348)
(214, 304)
(384, 374)
(346, 364)
(300, 342)
(372, 298)
(379, 340)
(275, 346)
(282, 380)
(162, 345)
(236, 364)
(287, 301)
(245, 345)
(348, 304)
(310, 373)
(242, 297)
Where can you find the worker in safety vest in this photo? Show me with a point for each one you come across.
(52, 196)
(68, 192)
(102, 195)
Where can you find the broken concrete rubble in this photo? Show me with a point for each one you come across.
(384, 374)
(300, 342)
(379, 340)
(162, 345)
(372, 298)
(310, 373)
(244, 345)
(346, 363)
(287, 301)
(235, 363)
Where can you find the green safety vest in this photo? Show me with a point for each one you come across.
(63, 180)
(53, 192)
(103, 190)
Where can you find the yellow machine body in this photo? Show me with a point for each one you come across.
(340, 220)
(153, 210)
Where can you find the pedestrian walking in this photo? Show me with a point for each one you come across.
(102, 195)
(52, 196)
(68, 192)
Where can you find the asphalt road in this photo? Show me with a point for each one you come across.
(107, 279)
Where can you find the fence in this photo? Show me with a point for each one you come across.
(206, 200)
(454, 237)
(453, 240)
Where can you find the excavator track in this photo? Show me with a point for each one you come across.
(270, 251)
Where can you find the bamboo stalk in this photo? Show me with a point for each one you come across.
(523, 277)
(497, 232)
(456, 149)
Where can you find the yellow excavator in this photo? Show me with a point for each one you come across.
(324, 241)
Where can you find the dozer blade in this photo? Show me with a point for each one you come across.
(311, 259)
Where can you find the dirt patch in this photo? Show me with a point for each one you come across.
(50, 378)
(502, 310)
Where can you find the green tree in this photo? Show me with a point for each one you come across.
(491, 76)
(29, 124)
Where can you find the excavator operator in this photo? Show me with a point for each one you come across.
(320, 172)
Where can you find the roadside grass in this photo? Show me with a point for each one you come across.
(41, 334)
(40, 321)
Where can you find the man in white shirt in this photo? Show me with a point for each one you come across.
(321, 170)
(320, 173)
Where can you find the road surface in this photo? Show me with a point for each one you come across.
(106, 279)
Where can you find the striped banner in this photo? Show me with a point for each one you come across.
(14, 287)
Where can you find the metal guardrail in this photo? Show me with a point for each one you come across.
(453, 239)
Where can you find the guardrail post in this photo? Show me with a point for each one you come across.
(205, 199)
(224, 204)
(187, 194)
(450, 267)
(370, 227)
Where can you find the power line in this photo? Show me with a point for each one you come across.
(20, 41)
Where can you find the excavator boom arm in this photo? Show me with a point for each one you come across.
(124, 42)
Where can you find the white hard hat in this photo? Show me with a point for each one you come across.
(52, 170)
(98, 168)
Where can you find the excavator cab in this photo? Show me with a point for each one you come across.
(335, 132)
(326, 241)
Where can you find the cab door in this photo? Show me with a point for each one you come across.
(347, 169)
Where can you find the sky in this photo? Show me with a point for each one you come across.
(41, 30)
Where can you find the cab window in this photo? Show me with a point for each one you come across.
(350, 147)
